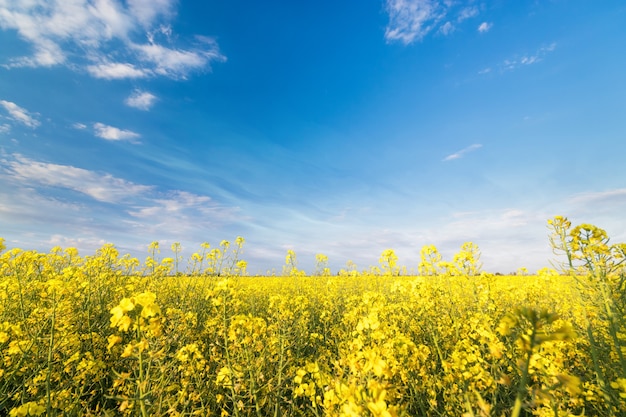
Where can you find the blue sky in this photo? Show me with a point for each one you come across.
(342, 128)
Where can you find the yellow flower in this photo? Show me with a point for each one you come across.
(28, 409)
(124, 323)
(378, 408)
(145, 298)
(113, 340)
(300, 373)
(150, 310)
(126, 305)
(118, 317)
(155, 327)
(14, 348)
(116, 314)
(128, 351)
(620, 384)
(299, 391)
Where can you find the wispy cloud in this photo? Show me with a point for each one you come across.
(175, 62)
(484, 27)
(113, 133)
(462, 152)
(116, 71)
(19, 114)
(616, 196)
(176, 202)
(81, 33)
(101, 187)
(467, 13)
(141, 201)
(104, 206)
(141, 100)
(601, 208)
(412, 20)
(509, 238)
(146, 11)
(182, 211)
(446, 29)
(528, 59)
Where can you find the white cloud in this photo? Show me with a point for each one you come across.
(176, 63)
(47, 54)
(410, 20)
(529, 59)
(25, 205)
(467, 13)
(79, 126)
(484, 27)
(179, 213)
(49, 204)
(113, 133)
(116, 71)
(5, 128)
(616, 196)
(446, 29)
(178, 206)
(508, 238)
(462, 152)
(19, 114)
(82, 33)
(101, 187)
(141, 100)
(76, 242)
(146, 11)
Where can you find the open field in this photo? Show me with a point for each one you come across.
(82, 336)
(105, 335)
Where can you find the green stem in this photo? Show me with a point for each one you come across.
(228, 359)
(141, 384)
(280, 374)
(612, 325)
(521, 389)
(50, 350)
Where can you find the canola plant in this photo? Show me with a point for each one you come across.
(104, 335)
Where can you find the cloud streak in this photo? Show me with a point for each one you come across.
(113, 133)
(139, 205)
(19, 114)
(141, 100)
(484, 27)
(412, 20)
(116, 71)
(462, 152)
(601, 196)
(467, 13)
(101, 187)
(528, 59)
(82, 34)
(515, 62)
(45, 204)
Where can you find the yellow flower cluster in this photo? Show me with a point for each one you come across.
(103, 335)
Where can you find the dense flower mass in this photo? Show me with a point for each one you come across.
(104, 335)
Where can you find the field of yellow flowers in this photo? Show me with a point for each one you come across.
(106, 335)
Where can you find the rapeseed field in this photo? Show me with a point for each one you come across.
(108, 335)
